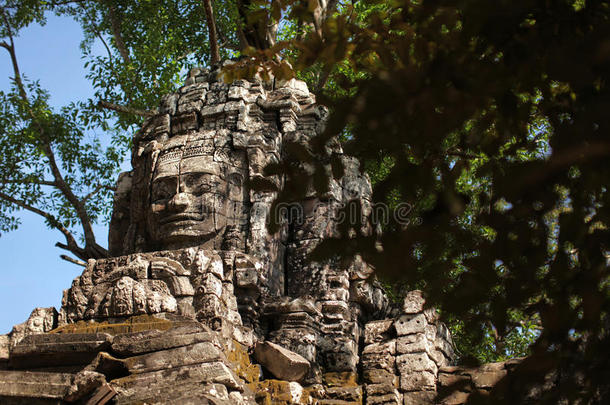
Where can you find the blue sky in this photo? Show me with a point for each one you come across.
(32, 274)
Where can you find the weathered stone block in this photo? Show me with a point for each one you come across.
(341, 361)
(210, 284)
(41, 320)
(194, 88)
(336, 294)
(208, 306)
(387, 399)
(413, 343)
(456, 398)
(184, 122)
(197, 353)
(381, 347)
(215, 372)
(130, 344)
(84, 383)
(237, 93)
(417, 381)
(446, 347)
(4, 348)
(379, 389)
(414, 302)
(379, 376)
(58, 349)
(340, 379)
(162, 267)
(379, 360)
(281, 362)
(419, 398)
(410, 362)
(446, 379)
(212, 110)
(247, 278)
(438, 357)
(407, 324)
(345, 393)
(378, 331)
(25, 384)
(340, 308)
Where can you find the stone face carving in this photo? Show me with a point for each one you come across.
(189, 240)
(193, 197)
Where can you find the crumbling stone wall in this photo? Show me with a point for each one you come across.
(403, 354)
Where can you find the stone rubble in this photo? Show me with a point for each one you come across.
(282, 363)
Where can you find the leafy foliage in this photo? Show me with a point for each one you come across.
(494, 116)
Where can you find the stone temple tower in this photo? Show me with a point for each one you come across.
(200, 302)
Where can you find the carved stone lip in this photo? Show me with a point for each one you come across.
(181, 218)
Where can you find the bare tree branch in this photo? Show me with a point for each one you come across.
(72, 260)
(64, 3)
(115, 24)
(29, 181)
(11, 50)
(94, 191)
(71, 246)
(209, 16)
(125, 109)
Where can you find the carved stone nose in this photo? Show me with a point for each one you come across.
(179, 202)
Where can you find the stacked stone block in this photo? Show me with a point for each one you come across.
(402, 355)
(422, 347)
(339, 325)
(379, 363)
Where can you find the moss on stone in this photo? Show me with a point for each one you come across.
(340, 379)
(136, 323)
(238, 355)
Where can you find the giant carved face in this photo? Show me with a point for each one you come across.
(189, 194)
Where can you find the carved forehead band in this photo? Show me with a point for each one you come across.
(174, 155)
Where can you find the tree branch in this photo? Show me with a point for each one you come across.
(115, 24)
(209, 16)
(11, 50)
(94, 191)
(64, 3)
(125, 109)
(26, 181)
(72, 246)
(72, 260)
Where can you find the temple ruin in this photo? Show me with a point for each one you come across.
(200, 303)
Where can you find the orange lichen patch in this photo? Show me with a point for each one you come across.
(278, 392)
(337, 379)
(136, 323)
(237, 354)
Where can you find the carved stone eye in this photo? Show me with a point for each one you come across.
(163, 189)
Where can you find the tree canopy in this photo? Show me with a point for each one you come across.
(489, 119)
